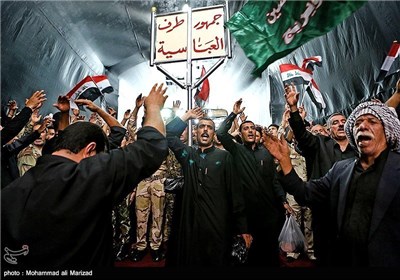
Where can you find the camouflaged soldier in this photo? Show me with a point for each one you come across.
(174, 170)
(302, 213)
(27, 157)
(122, 228)
(150, 197)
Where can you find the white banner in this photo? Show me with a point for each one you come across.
(208, 38)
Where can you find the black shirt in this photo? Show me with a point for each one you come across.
(358, 212)
(61, 209)
(341, 155)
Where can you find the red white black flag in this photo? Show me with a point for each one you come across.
(303, 77)
(201, 96)
(103, 83)
(390, 58)
(85, 89)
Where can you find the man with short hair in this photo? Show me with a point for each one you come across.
(363, 194)
(211, 207)
(319, 130)
(320, 153)
(265, 199)
(59, 212)
(273, 129)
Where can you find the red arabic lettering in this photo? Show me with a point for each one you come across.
(201, 24)
(177, 23)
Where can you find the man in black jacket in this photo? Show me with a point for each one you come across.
(362, 194)
(265, 199)
(59, 212)
(211, 207)
(321, 153)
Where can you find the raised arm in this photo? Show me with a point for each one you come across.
(14, 126)
(109, 119)
(307, 142)
(153, 104)
(223, 130)
(63, 106)
(394, 100)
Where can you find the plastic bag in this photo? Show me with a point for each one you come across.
(174, 185)
(291, 239)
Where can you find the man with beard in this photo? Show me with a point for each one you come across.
(212, 210)
(265, 199)
(321, 153)
(362, 193)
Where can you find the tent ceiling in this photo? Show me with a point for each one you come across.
(51, 45)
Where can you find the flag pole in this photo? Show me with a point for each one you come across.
(304, 94)
(189, 73)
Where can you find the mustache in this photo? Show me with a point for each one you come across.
(205, 134)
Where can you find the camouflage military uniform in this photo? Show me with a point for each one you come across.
(121, 224)
(150, 197)
(27, 158)
(173, 170)
(302, 214)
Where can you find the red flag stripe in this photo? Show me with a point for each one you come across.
(393, 53)
(205, 88)
(289, 71)
(87, 80)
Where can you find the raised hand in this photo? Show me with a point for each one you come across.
(62, 104)
(127, 114)
(35, 117)
(193, 113)
(12, 105)
(291, 96)
(46, 122)
(153, 105)
(139, 101)
(236, 107)
(36, 100)
(175, 105)
(242, 117)
(112, 111)
(278, 148)
(156, 97)
(89, 104)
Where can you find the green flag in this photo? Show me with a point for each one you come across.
(269, 30)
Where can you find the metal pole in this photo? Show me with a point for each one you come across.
(153, 34)
(166, 73)
(189, 72)
(228, 38)
(209, 72)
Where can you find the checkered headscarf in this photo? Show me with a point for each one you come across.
(388, 117)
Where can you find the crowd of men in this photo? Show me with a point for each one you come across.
(70, 186)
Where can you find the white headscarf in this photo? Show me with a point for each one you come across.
(388, 117)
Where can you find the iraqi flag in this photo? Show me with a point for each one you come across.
(202, 94)
(315, 95)
(390, 58)
(85, 89)
(291, 73)
(310, 62)
(103, 83)
(302, 78)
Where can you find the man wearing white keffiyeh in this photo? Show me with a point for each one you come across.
(363, 194)
(384, 114)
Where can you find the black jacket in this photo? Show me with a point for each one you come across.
(332, 189)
